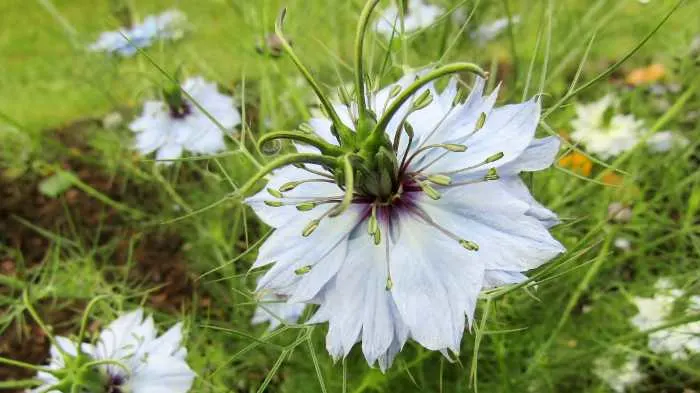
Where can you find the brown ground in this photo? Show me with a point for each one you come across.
(158, 261)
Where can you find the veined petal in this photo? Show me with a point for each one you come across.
(539, 155)
(162, 374)
(487, 214)
(498, 278)
(434, 291)
(516, 186)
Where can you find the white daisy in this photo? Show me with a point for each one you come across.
(488, 31)
(403, 246)
(168, 25)
(602, 131)
(664, 141)
(275, 309)
(618, 376)
(171, 128)
(141, 361)
(418, 14)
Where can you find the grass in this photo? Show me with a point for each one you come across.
(541, 339)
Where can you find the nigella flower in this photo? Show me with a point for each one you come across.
(417, 14)
(665, 141)
(168, 25)
(679, 341)
(618, 376)
(489, 31)
(602, 130)
(177, 124)
(128, 356)
(274, 309)
(413, 205)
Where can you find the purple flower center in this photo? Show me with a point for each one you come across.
(115, 384)
(181, 111)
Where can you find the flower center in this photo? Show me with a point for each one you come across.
(180, 111)
(115, 384)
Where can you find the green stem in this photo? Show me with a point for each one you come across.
(284, 161)
(343, 131)
(415, 86)
(44, 328)
(17, 363)
(84, 320)
(309, 139)
(23, 383)
(359, 46)
(613, 67)
(349, 187)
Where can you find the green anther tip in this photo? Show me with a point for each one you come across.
(494, 157)
(469, 245)
(425, 99)
(287, 186)
(442, 180)
(455, 147)
(481, 121)
(377, 237)
(305, 206)
(310, 228)
(274, 203)
(430, 191)
(274, 193)
(302, 270)
(395, 90)
(492, 174)
(389, 284)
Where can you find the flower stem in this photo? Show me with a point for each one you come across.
(343, 131)
(415, 86)
(349, 187)
(309, 139)
(284, 161)
(359, 49)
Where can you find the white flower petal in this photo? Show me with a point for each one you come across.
(434, 290)
(162, 374)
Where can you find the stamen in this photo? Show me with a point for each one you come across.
(492, 174)
(423, 100)
(494, 157)
(315, 172)
(452, 147)
(310, 227)
(274, 203)
(389, 281)
(430, 191)
(274, 193)
(480, 122)
(289, 186)
(373, 224)
(306, 206)
(467, 244)
(441, 180)
(302, 270)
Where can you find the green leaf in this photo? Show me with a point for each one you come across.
(56, 184)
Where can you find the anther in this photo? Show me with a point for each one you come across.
(274, 203)
(302, 270)
(454, 147)
(395, 90)
(288, 186)
(494, 157)
(481, 121)
(429, 190)
(274, 193)
(492, 174)
(389, 284)
(377, 236)
(373, 225)
(423, 100)
(469, 245)
(442, 180)
(305, 206)
(310, 228)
